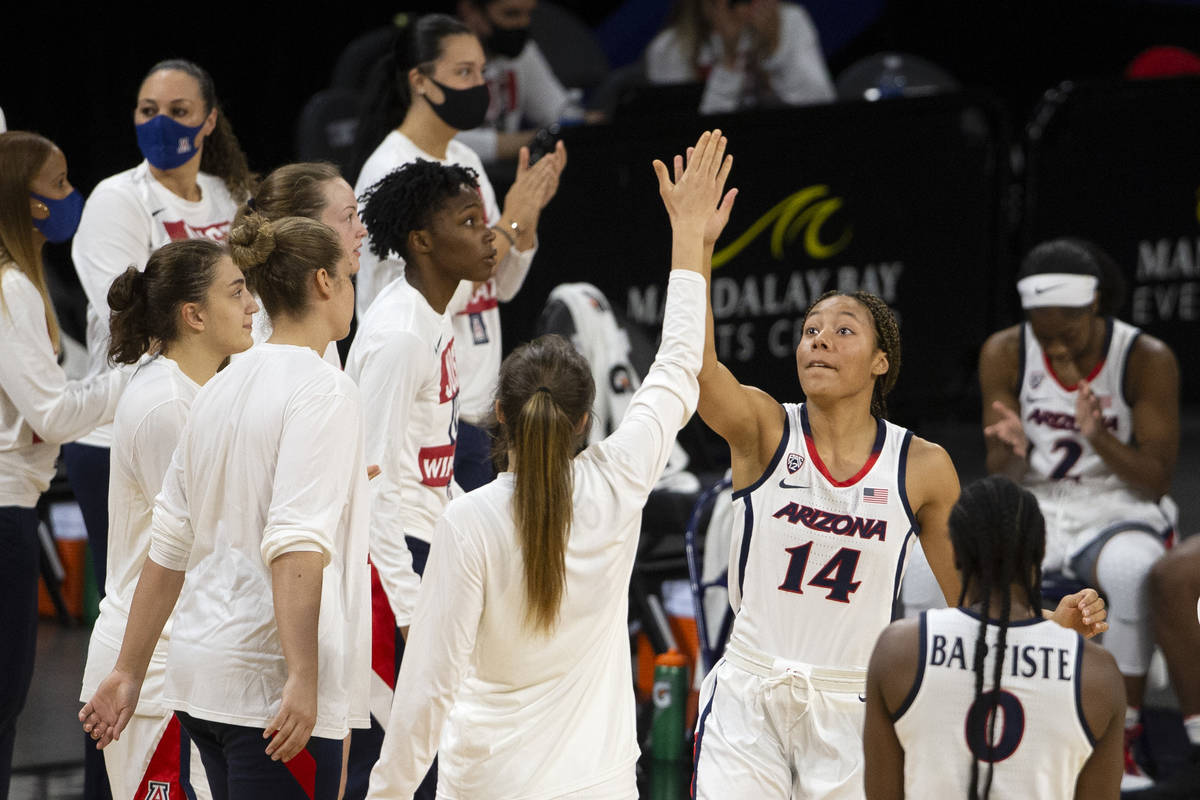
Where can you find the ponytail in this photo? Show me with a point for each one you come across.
(144, 305)
(544, 396)
(417, 43)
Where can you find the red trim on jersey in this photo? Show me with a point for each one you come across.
(478, 306)
(383, 632)
(876, 449)
(1091, 376)
(304, 769)
(163, 767)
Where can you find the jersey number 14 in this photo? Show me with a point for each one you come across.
(837, 575)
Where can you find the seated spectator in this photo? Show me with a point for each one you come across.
(748, 53)
(525, 94)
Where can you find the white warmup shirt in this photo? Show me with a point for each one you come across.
(815, 564)
(1042, 739)
(149, 422)
(126, 218)
(476, 312)
(270, 462)
(520, 714)
(796, 73)
(524, 91)
(403, 361)
(1077, 492)
(39, 407)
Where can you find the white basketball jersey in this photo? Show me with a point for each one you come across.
(1058, 451)
(815, 564)
(1041, 739)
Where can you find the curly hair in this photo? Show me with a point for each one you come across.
(887, 339)
(406, 199)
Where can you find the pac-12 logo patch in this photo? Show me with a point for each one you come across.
(158, 790)
(794, 462)
(1035, 380)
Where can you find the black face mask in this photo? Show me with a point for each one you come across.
(507, 42)
(463, 109)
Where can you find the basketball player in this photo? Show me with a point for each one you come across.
(830, 497)
(519, 663)
(190, 310)
(1083, 409)
(1051, 722)
(403, 360)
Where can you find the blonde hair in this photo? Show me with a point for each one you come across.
(22, 155)
(545, 392)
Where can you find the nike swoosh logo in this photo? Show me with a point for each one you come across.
(862, 698)
(784, 485)
(1044, 289)
(158, 211)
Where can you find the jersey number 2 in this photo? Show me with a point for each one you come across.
(837, 575)
(1073, 451)
(1010, 727)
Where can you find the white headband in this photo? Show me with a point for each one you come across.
(1057, 289)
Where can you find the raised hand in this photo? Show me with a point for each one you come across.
(104, 716)
(1008, 429)
(1083, 612)
(694, 198)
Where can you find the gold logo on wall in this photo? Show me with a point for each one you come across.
(804, 211)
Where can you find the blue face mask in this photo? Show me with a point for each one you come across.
(64, 216)
(165, 143)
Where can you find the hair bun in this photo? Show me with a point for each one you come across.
(127, 290)
(251, 241)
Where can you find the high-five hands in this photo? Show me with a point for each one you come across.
(693, 199)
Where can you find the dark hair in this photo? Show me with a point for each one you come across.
(999, 538)
(544, 391)
(22, 156)
(887, 339)
(222, 154)
(1074, 256)
(144, 306)
(406, 199)
(417, 43)
(293, 190)
(278, 256)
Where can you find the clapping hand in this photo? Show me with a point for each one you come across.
(1008, 430)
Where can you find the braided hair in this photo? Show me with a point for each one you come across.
(999, 538)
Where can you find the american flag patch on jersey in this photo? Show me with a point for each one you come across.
(875, 496)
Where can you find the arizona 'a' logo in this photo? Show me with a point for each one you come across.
(158, 790)
(794, 462)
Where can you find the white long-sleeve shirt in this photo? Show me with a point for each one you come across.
(150, 419)
(518, 714)
(476, 311)
(524, 90)
(403, 360)
(270, 462)
(126, 218)
(39, 407)
(796, 72)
